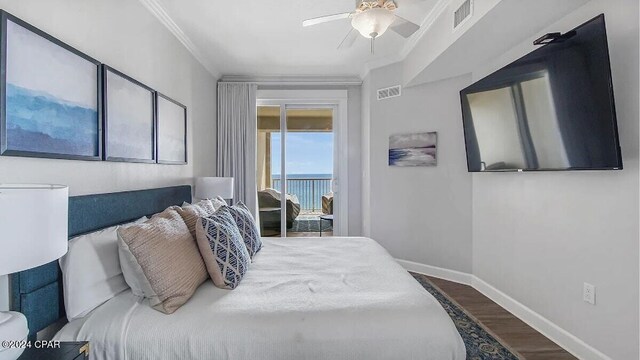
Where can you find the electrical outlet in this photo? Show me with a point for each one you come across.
(589, 293)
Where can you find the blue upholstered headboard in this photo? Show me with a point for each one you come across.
(37, 293)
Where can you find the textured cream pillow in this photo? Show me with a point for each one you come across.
(191, 212)
(161, 260)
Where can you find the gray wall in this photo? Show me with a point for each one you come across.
(123, 34)
(539, 236)
(420, 214)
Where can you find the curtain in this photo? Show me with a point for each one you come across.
(237, 138)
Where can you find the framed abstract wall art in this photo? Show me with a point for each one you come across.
(172, 131)
(50, 96)
(129, 118)
(413, 149)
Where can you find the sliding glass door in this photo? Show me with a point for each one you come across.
(296, 169)
(269, 153)
(309, 170)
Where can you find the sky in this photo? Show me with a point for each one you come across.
(307, 153)
(413, 140)
(130, 119)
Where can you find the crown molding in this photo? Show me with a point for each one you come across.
(411, 42)
(158, 11)
(379, 63)
(433, 15)
(294, 80)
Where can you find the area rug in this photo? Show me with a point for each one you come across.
(480, 344)
(310, 225)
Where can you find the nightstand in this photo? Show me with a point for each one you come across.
(67, 351)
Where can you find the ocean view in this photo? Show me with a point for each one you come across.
(304, 176)
(309, 189)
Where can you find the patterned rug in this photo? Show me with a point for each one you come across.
(310, 225)
(480, 344)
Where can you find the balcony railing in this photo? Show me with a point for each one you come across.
(308, 190)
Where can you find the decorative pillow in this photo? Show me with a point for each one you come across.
(248, 227)
(218, 202)
(160, 260)
(191, 212)
(222, 249)
(91, 272)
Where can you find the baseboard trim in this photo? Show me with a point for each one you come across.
(563, 338)
(441, 273)
(560, 336)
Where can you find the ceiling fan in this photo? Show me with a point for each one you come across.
(371, 19)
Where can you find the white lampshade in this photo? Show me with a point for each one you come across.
(33, 225)
(211, 187)
(373, 22)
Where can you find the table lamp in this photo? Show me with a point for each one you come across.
(211, 187)
(33, 232)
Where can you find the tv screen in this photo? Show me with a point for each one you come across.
(552, 109)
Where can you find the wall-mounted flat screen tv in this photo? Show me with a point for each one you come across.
(552, 109)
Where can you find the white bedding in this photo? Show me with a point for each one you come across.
(302, 298)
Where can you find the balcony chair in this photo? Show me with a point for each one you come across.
(269, 204)
(327, 203)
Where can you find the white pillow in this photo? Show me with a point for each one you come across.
(91, 272)
(217, 202)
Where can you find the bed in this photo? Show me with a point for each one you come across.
(302, 298)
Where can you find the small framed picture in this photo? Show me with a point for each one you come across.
(172, 131)
(418, 149)
(129, 118)
(50, 96)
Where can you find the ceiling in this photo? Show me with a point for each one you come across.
(263, 38)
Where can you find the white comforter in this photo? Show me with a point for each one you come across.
(302, 298)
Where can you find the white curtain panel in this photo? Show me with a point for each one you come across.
(237, 138)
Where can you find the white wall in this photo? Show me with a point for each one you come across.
(354, 156)
(126, 36)
(123, 34)
(420, 214)
(538, 236)
(4, 293)
(495, 27)
(365, 145)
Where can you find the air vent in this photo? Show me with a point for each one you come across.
(389, 92)
(463, 13)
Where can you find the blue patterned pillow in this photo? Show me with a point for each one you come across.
(222, 248)
(248, 227)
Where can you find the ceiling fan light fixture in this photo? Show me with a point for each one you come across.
(373, 22)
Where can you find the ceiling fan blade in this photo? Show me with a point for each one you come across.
(405, 3)
(327, 18)
(348, 40)
(404, 27)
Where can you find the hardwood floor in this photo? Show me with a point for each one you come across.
(510, 330)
